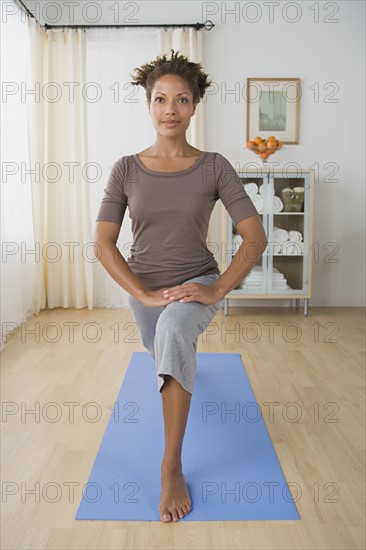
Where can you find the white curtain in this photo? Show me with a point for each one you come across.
(67, 224)
(22, 286)
(189, 43)
(60, 145)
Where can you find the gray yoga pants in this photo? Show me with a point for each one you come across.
(170, 333)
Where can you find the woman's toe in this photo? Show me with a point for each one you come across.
(165, 517)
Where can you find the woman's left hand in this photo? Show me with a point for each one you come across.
(193, 292)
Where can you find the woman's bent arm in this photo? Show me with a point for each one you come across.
(251, 249)
(105, 249)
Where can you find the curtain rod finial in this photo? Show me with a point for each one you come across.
(211, 25)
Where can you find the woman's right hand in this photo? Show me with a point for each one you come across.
(154, 298)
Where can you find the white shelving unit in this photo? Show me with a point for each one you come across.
(280, 273)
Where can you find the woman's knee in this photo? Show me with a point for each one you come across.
(169, 330)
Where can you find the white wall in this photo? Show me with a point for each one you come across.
(319, 53)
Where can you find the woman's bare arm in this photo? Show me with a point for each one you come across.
(251, 249)
(105, 249)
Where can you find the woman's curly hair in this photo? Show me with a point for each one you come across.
(179, 65)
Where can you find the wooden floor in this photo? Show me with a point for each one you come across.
(81, 356)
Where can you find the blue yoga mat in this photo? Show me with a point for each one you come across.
(231, 468)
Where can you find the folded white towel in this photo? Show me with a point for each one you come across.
(261, 190)
(276, 248)
(276, 274)
(255, 278)
(279, 235)
(294, 236)
(291, 249)
(277, 204)
(279, 281)
(278, 277)
(257, 200)
(300, 247)
(275, 284)
(251, 281)
(284, 286)
(251, 188)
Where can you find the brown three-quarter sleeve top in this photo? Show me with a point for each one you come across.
(170, 213)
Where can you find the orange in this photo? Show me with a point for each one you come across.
(258, 140)
(250, 144)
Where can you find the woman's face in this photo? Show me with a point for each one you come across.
(171, 100)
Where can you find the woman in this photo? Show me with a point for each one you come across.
(173, 280)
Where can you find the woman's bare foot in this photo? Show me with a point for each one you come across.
(175, 502)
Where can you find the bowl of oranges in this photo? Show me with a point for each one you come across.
(264, 147)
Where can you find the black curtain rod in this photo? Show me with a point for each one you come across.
(25, 9)
(208, 25)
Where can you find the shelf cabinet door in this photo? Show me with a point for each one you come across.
(284, 269)
(288, 259)
(258, 282)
